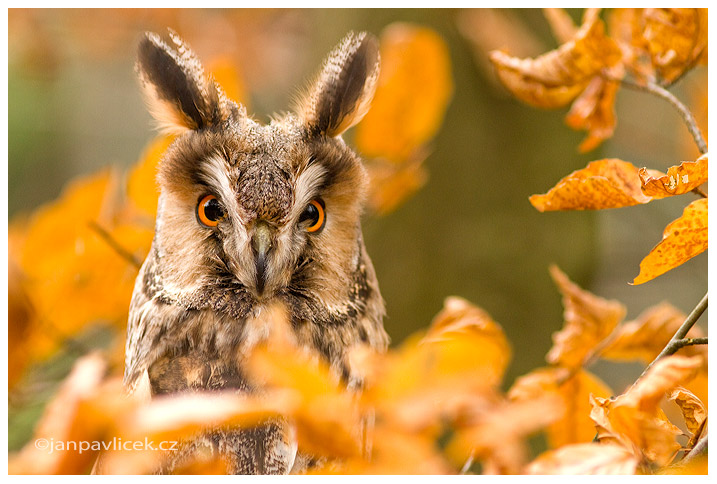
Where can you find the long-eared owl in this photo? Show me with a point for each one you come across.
(252, 217)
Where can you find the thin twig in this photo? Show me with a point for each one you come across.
(681, 343)
(673, 345)
(699, 447)
(467, 465)
(685, 113)
(116, 246)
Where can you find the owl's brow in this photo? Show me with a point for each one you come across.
(214, 174)
(307, 186)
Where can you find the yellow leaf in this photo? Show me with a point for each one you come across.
(676, 37)
(414, 87)
(607, 183)
(679, 179)
(663, 377)
(557, 77)
(588, 321)
(682, 240)
(645, 337)
(585, 459)
(574, 390)
(142, 188)
(692, 408)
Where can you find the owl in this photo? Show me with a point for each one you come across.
(252, 219)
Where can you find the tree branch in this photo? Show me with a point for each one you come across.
(685, 113)
(699, 447)
(116, 246)
(673, 345)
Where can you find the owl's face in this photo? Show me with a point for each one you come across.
(263, 209)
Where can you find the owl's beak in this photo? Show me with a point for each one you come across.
(261, 243)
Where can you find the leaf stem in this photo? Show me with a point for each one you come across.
(685, 113)
(678, 340)
(116, 246)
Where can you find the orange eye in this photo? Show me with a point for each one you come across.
(209, 211)
(315, 215)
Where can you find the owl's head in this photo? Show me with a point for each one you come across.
(261, 208)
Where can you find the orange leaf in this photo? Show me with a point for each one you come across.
(626, 26)
(663, 377)
(676, 37)
(682, 240)
(561, 24)
(582, 459)
(574, 390)
(679, 179)
(588, 321)
(692, 408)
(645, 337)
(413, 91)
(555, 78)
(608, 183)
(227, 74)
(594, 111)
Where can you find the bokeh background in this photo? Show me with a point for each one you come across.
(75, 106)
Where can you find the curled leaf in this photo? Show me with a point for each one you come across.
(679, 179)
(607, 183)
(557, 77)
(594, 111)
(588, 321)
(693, 410)
(676, 38)
(682, 240)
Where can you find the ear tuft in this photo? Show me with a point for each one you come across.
(342, 92)
(178, 94)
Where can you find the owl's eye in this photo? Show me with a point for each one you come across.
(315, 215)
(209, 211)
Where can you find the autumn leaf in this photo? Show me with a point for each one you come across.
(554, 79)
(594, 112)
(626, 26)
(682, 240)
(676, 38)
(588, 321)
(635, 420)
(226, 73)
(693, 410)
(573, 388)
(645, 337)
(679, 179)
(561, 24)
(412, 94)
(585, 459)
(607, 183)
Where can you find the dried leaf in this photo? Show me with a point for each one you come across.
(682, 240)
(645, 337)
(626, 26)
(574, 390)
(679, 179)
(663, 377)
(635, 419)
(607, 183)
(676, 38)
(594, 111)
(585, 459)
(588, 321)
(692, 408)
(557, 77)
(413, 91)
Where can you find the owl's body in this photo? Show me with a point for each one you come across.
(252, 221)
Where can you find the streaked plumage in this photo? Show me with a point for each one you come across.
(202, 296)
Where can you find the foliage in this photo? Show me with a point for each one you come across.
(434, 404)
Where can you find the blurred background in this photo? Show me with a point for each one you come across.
(75, 107)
